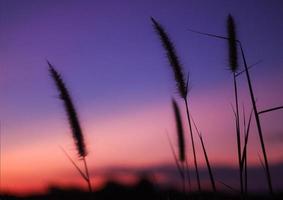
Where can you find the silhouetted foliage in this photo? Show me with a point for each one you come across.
(70, 110)
(232, 43)
(173, 58)
(180, 131)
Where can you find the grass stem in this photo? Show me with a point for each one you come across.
(193, 144)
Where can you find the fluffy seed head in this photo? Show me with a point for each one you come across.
(172, 58)
(180, 131)
(70, 111)
(232, 44)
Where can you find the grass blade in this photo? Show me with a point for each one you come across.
(74, 164)
(247, 132)
(271, 109)
(206, 158)
(250, 67)
(179, 168)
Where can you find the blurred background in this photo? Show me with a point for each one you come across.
(121, 83)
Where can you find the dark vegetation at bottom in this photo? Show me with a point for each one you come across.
(144, 190)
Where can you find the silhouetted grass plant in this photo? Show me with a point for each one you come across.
(73, 121)
(211, 177)
(180, 168)
(181, 139)
(234, 67)
(244, 159)
(254, 106)
(181, 82)
(255, 109)
(180, 131)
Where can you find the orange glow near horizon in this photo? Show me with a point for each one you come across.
(121, 84)
(131, 140)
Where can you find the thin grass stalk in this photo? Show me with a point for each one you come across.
(72, 118)
(247, 133)
(261, 162)
(208, 164)
(257, 121)
(244, 160)
(250, 67)
(188, 175)
(206, 158)
(181, 83)
(193, 144)
(256, 114)
(87, 174)
(233, 64)
(271, 109)
(179, 167)
(238, 133)
(180, 138)
(74, 164)
(246, 175)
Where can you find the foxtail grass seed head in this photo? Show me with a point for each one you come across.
(172, 58)
(180, 131)
(232, 44)
(70, 111)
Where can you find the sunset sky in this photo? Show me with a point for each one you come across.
(114, 65)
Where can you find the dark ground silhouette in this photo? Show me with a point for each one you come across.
(143, 190)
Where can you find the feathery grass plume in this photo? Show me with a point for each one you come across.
(181, 82)
(255, 109)
(181, 141)
(71, 112)
(173, 58)
(232, 40)
(233, 63)
(73, 120)
(180, 131)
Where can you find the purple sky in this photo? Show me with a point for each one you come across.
(115, 67)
